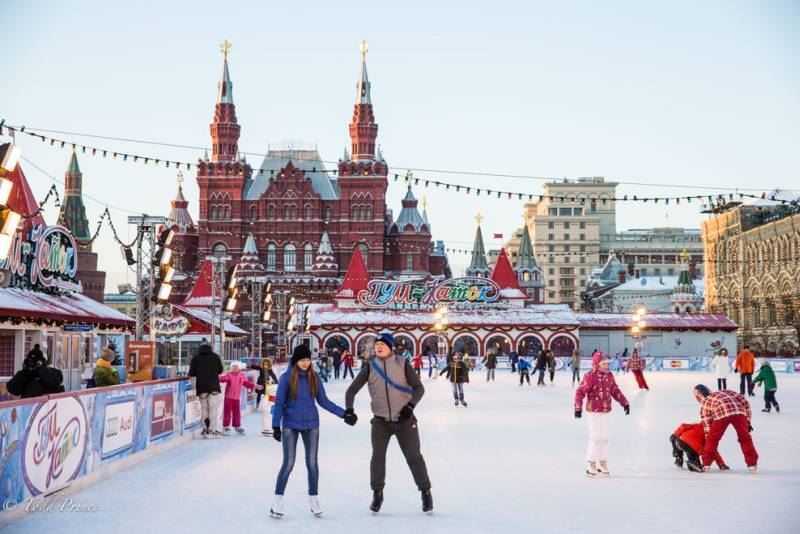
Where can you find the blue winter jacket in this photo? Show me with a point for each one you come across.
(523, 364)
(301, 412)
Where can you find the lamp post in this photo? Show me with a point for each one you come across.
(440, 325)
(639, 325)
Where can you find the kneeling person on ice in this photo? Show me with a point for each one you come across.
(395, 390)
(236, 380)
(599, 387)
(458, 373)
(295, 416)
(689, 438)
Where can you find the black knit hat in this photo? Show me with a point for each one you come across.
(300, 352)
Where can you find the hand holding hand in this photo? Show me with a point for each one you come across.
(276, 433)
(350, 417)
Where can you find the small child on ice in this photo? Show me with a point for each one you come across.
(766, 376)
(524, 370)
(458, 374)
(235, 379)
(690, 438)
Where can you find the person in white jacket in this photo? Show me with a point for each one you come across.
(721, 367)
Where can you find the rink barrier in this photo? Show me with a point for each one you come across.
(657, 363)
(61, 443)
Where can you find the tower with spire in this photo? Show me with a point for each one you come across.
(73, 217)
(409, 239)
(478, 266)
(528, 273)
(684, 298)
(184, 244)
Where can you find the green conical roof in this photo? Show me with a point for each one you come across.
(73, 164)
(478, 253)
(525, 258)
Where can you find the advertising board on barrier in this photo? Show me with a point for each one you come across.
(676, 364)
(162, 423)
(55, 444)
(192, 412)
(779, 366)
(118, 426)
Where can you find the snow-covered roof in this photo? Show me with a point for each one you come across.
(204, 315)
(657, 321)
(655, 284)
(773, 198)
(74, 308)
(324, 315)
(306, 160)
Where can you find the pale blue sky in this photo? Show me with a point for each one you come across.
(682, 92)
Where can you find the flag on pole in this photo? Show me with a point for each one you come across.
(498, 236)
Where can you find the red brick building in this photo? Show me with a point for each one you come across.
(292, 200)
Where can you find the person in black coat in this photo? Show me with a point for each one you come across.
(490, 361)
(337, 363)
(205, 367)
(36, 379)
(541, 366)
(458, 374)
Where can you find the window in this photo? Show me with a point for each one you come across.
(551, 282)
(582, 237)
(551, 248)
(583, 270)
(552, 211)
(328, 213)
(551, 237)
(253, 213)
(551, 225)
(643, 272)
(364, 249)
(565, 211)
(551, 270)
(368, 213)
(566, 248)
(583, 248)
(307, 212)
(566, 237)
(286, 212)
(308, 257)
(567, 282)
(220, 249)
(289, 258)
(271, 211)
(212, 213)
(566, 225)
(593, 206)
(566, 259)
(583, 259)
(657, 272)
(227, 213)
(409, 261)
(551, 294)
(671, 271)
(356, 213)
(271, 256)
(578, 211)
(582, 225)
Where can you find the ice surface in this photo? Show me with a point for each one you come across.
(513, 461)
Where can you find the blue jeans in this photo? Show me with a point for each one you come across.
(311, 444)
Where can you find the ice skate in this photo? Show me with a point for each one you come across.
(204, 433)
(679, 462)
(276, 511)
(216, 434)
(602, 468)
(456, 403)
(724, 467)
(777, 408)
(266, 433)
(752, 468)
(226, 431)
(695, 467)
(591, 470)
(240, 430)
(427, 500)
(377, 501)
(313, 502)
(463, 403)
(765, 410)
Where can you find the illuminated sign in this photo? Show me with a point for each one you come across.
(469, 289)
(47, 259)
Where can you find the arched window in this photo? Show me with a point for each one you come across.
(212, 213)
(289, 258)
(271, 211)
(356, 213)
(368, 213)
(364, 249)
(271, 248)
(307, 212)
(227, 213)
(286, 211)
(308, 257)
(253, 213)
(328, 213)
(220, 249)
(409, 261)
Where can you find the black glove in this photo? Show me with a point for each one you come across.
(577, 414)
(735, 370)
(406, 412)
(276, 433)
(627, 409)
(749, 427)
(350, 417)
(672, 438)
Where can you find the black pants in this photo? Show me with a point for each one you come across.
(336, 370)
(540, 382)
(680, 447)
(722, 383)
(407, 435)
(576, 374)
(524, 375)
(346, 369)
(259, 394)
(769, 400)
(513, 367)
(746, 377)
(552, 374)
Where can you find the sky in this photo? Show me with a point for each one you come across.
(690, 96)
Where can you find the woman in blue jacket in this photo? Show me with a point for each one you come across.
(295, 415)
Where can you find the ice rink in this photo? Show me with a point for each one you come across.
(513, 461)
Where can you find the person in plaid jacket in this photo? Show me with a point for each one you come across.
(636, 365)
(717, 411)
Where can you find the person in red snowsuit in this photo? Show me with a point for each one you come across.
(717, 411)
(636, 364)
(417, 362)
(690, 438)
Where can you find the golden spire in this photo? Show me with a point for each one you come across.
(179, 178)
(684, 256)
(424, 203)
(478, 219)
(224, 47)
(364, 49)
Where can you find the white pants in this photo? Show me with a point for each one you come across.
(210, 407)
(599, 426)
(266, 414)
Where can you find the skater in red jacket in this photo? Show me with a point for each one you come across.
(637, 364)
(690, 438)
(417, 362)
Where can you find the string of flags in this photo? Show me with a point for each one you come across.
(409, 178)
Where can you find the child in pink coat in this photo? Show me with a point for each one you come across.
(235, 379)
(599, 387)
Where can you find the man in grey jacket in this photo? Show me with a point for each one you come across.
(394, 390)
